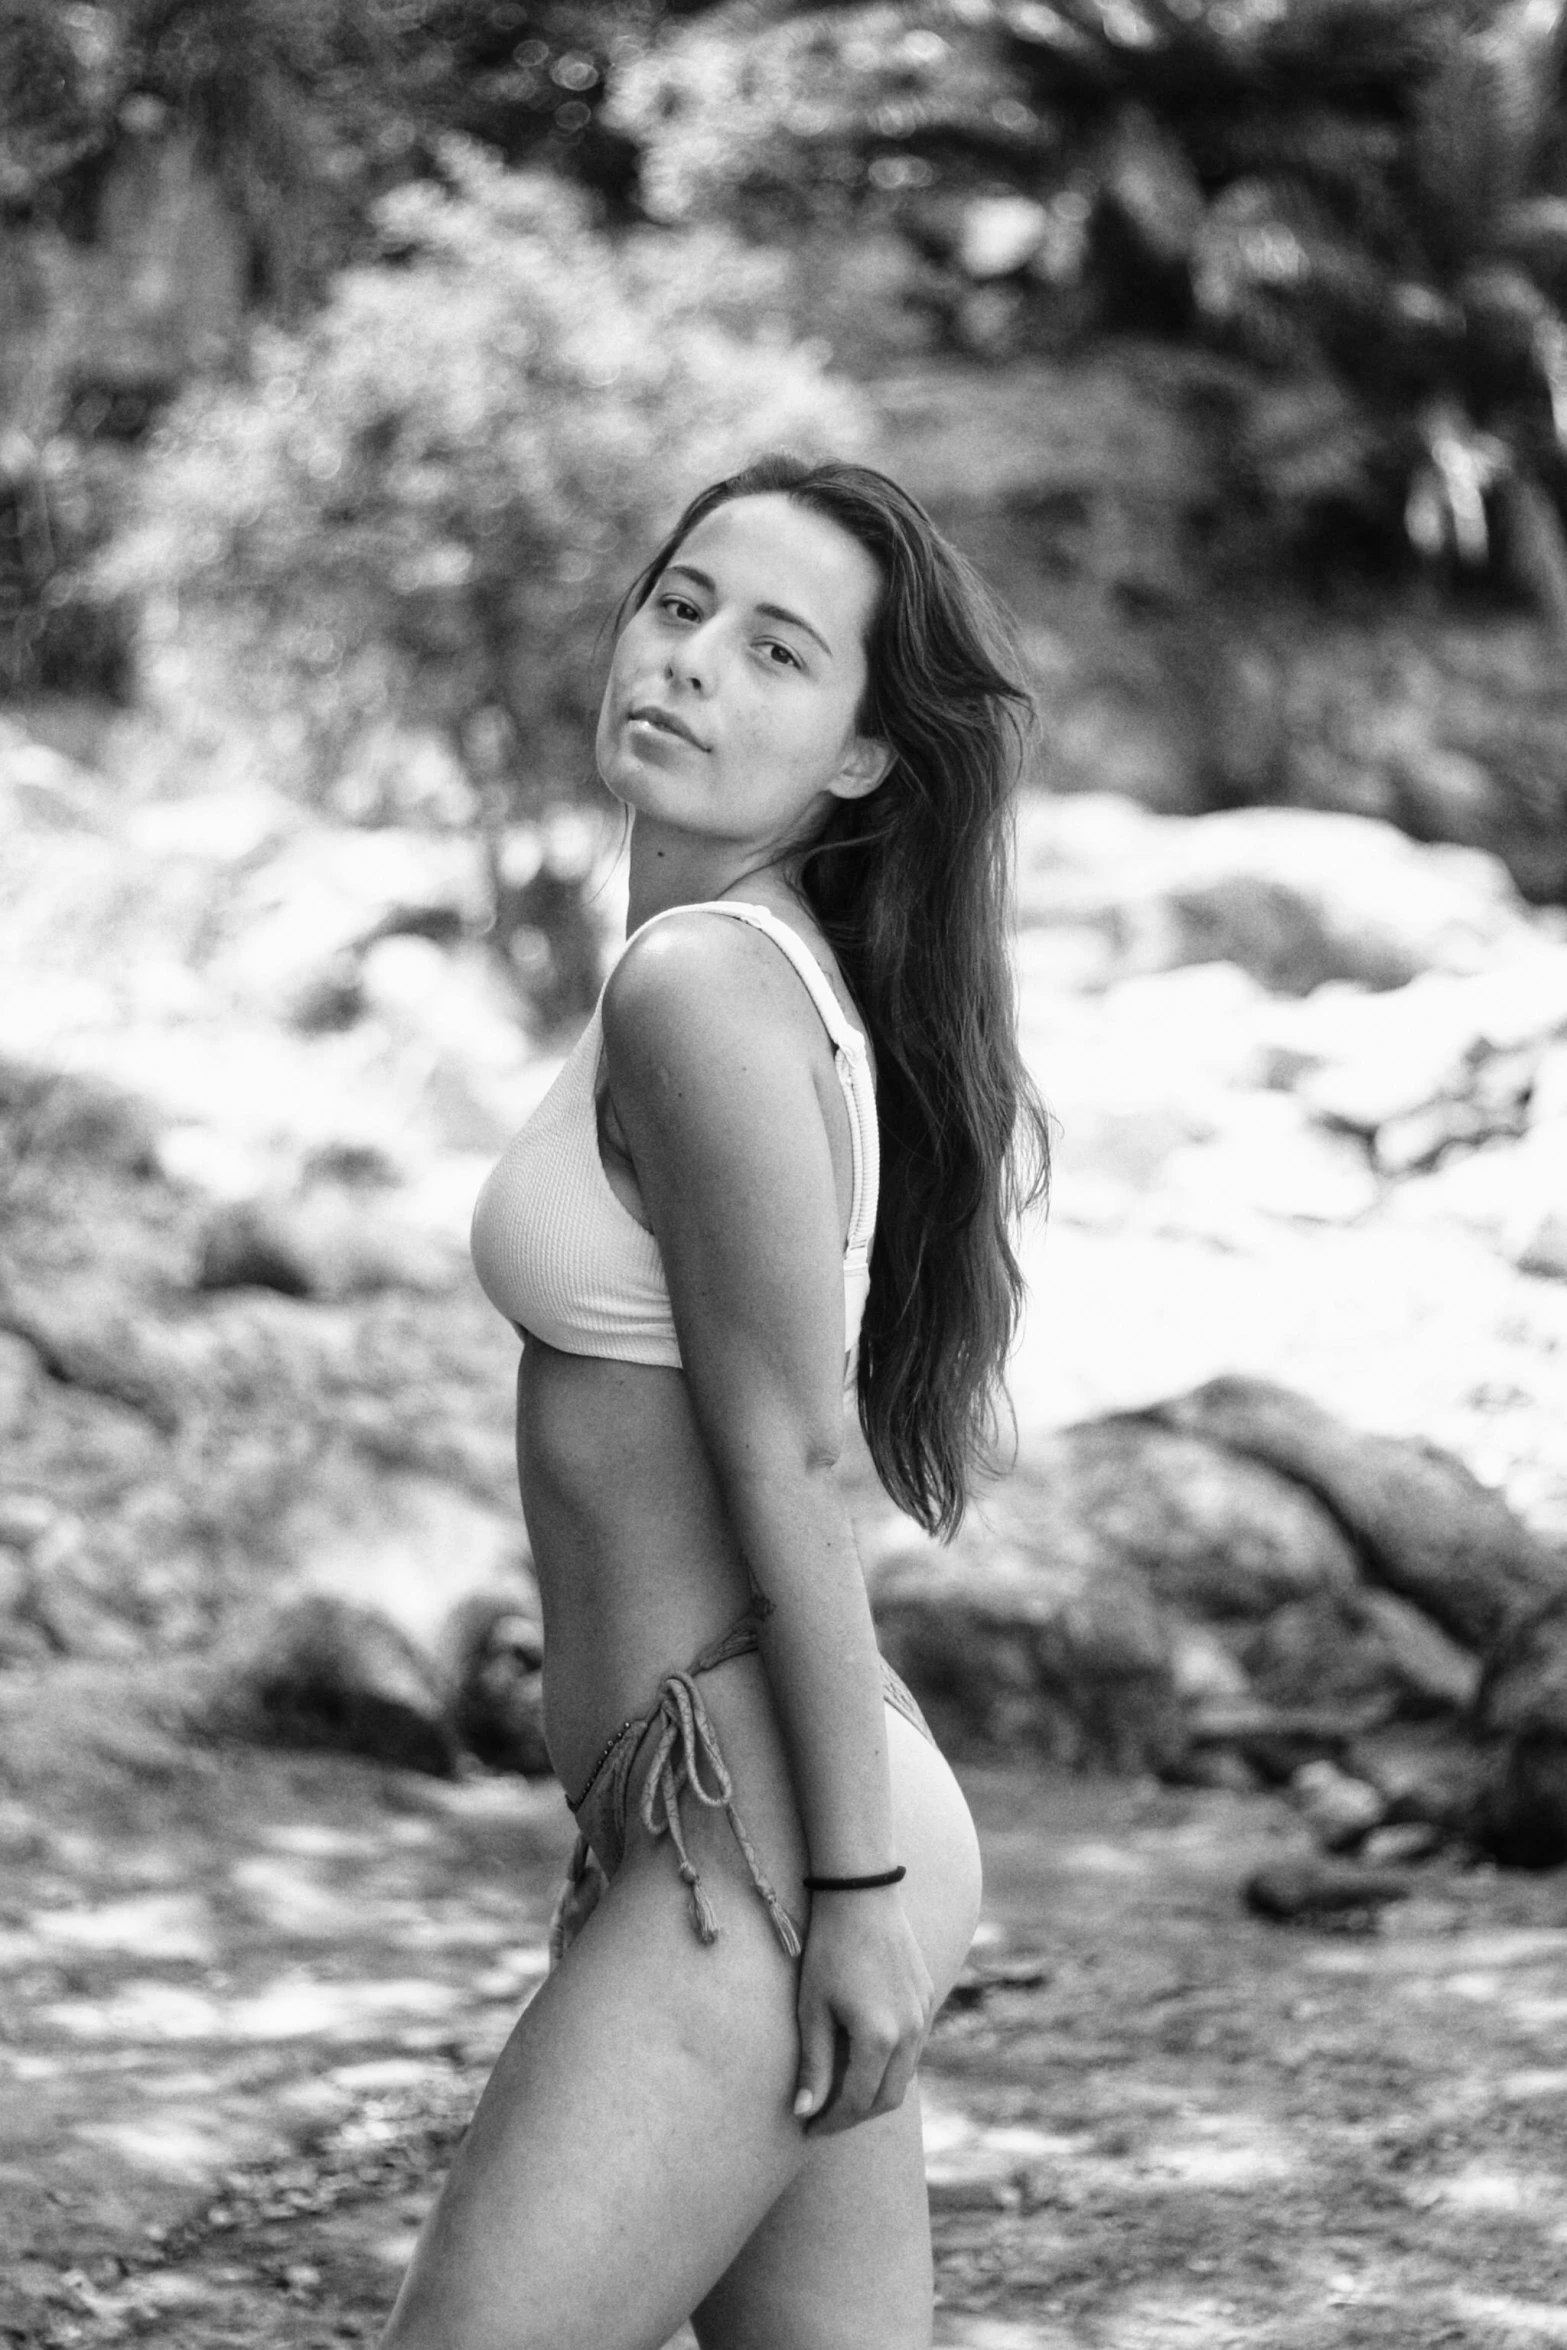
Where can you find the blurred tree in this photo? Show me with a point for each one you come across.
(169, 166)
(419, 507)
(307, 110)
(1363, 201)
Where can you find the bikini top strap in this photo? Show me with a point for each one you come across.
(834, 1018)
(849, 1041)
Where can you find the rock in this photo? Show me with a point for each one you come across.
(498, 1709)
(1315, 1652)
(1340, 1811)
(18, 1382)
(1399, 1845)
(1222, 1586)
(1218, 1536)
(331, 890)
(327, 1240)
(247, 1245)
(1428, 1778)
(52, 1599)
(1446, 1060)
(1548, 1101)
(999, 234)
(416, 1549)
(1065, 1658)
(1520, 1719)
(1432, 1673)
(408, 1626)
(1424, 1527)
(49, 1114)
(90, 1338)
(1364, 1650)
(14, 1582)
(1272, 1742)
(1545, 1249)
(1295, 1890)
(1269, 1157)
(25, 1518)
(1143, 1070)
(1218, 1767)
(1506, 1190)
(75, 1621)
(1205, 1671)
(318, 1673)
(1297, 897)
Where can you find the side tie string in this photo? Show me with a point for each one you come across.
(686, 1742)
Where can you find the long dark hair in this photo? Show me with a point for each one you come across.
(910, 886)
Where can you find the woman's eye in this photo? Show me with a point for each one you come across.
(773, 649)
(679, 608)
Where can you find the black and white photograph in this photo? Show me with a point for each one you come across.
(783, 1174)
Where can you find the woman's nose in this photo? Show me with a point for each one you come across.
(693, 659)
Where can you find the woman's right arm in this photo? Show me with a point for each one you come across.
(711, 1046)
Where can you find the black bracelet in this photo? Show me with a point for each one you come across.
(854, 1884)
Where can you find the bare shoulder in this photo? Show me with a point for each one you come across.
(696, 988)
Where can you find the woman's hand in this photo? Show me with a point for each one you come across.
(864, 2008)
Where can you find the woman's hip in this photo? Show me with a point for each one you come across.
(699, 1788)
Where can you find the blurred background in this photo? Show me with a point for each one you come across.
(353, 354)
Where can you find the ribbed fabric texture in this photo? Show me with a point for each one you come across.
(560, 1255)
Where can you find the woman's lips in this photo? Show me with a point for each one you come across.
(647, 714)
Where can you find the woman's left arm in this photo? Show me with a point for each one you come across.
(710, 1045)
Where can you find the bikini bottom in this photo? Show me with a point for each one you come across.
(686, 1758)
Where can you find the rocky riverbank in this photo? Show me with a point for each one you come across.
(1286, 1526)
(1310, 1084)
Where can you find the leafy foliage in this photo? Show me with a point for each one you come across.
(1368, 197)
(422, 505)
(295, 116)
(308, 109)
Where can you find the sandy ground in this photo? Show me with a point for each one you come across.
(248, 2002)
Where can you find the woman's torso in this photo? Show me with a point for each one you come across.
(637, 1564)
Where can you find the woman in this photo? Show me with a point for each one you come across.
(704, 2111)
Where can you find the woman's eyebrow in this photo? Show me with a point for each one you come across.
(767, 611)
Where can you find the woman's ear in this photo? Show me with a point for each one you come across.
(867, 763)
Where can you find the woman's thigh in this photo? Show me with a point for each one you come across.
(842, 2258)
(632, 2135)
(634, 2153)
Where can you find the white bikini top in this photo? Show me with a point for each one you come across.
(561, 1255)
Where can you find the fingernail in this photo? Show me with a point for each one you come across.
(802, 2105)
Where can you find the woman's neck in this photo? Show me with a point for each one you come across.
(673, 869)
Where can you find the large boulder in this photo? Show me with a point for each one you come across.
(1520, 1720)
(1007, 1655)
(411, 1546)
(1422, 1525)
(1363, 1653)
(1234, 1568)
(1095, 1607)
(1218, 1535)
(316, 1672)
(408, 1629)
(1294, 896)
(50, 1115)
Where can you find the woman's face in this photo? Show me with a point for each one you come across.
(730, 707)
